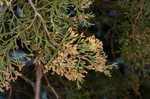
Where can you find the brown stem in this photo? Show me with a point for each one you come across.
(52, 88)
(32, 22)
(27, 80)
(38, 81)
(43, 21)
(10, 93)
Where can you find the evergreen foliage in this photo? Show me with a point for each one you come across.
(45, 35)
(63, 41)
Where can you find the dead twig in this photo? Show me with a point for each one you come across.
(52, 88)
(27, 80)
(10, 93)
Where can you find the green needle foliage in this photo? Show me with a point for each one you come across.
(51, 37)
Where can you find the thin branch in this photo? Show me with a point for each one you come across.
(52, 88)
(32, 22)
(28, 27)
(27, 80)
(43, 21)
(10, 93)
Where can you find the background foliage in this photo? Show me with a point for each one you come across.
(45, 35)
